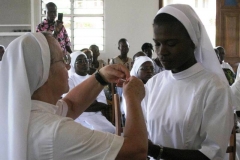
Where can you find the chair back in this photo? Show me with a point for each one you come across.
(117, 114)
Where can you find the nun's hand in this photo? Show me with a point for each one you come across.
(133, 89)
(115, 73)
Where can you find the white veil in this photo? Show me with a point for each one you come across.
(137, 64)
(25, 67)
(204, 52)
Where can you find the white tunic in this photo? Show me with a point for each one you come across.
(53, 137)
(92, 120)
(189, 110)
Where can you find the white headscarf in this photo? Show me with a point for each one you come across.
(137, 64)
(3, 47)
(74, 56)
(204, 52)
(25, 68)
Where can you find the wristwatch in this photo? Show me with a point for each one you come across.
(100, 79)
(160, 153)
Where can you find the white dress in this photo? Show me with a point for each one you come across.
(92, 120)
(53, 137)
(189, 110)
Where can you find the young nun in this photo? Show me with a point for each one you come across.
(92, 117)
(187, 107)
(143, 68)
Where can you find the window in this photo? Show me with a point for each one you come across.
(206, 10)
(83, 20)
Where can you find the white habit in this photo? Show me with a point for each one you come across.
(187, 110)
(92, 120)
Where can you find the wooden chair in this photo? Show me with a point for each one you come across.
(117, 114)
(231, 149)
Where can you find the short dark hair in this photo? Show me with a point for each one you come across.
(147, 46)
(138, 54)
(50, 4)
(220, 49)
(82, 50)
(122, 40)
(93, 46)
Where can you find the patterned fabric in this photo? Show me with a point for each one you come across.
(229, 75)
(62, 37)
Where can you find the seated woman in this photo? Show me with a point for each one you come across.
(143, 68)
(89, 54)
(92, 117)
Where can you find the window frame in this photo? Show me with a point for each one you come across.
(72, 16)
(216, 18)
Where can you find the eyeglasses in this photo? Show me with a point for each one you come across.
(81, 61)
(66, 59)
(146, 68)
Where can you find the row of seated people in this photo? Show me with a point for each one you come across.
(92, 118)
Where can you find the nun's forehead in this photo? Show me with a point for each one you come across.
(81, 56)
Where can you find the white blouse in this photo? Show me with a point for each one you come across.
(52, 137)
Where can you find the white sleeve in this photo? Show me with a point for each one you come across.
(101, 97)
(145, 102)
(218, 111)
(235, 88)
(62, 108)
(84, 143)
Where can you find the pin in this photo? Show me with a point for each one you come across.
(124, 80)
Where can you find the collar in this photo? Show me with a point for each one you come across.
(188, 72)
(43, 107)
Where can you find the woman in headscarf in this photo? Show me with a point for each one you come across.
(33, 77)
(92, 117)
(187, 107)
(143, 68)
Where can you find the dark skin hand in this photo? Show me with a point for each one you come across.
(57, 28)
(96, 106)
(175, 154)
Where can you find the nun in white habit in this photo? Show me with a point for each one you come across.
(188, 107)
(33, 77)
(92, 120)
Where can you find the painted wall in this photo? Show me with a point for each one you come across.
(131, 20)
(123, 19)
(13, 12)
